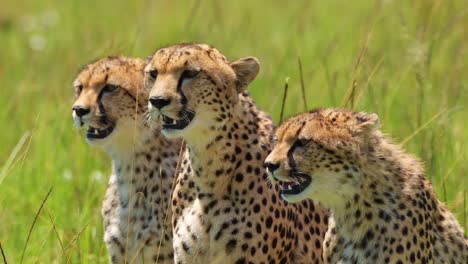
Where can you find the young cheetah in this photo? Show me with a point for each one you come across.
(224, 210)
(384, 209)
(111, 102)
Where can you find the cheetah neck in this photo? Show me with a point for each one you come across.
(216, 163)
(388, 180)
(129, 138)
(139, 160)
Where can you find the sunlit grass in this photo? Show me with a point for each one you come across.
(405, 60)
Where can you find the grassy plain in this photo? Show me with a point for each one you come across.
(405, 60)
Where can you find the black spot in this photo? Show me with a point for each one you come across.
(256, 208)
(400, 249)
(185, 247)
(230, 246)
(239, 177)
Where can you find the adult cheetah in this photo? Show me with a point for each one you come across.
(111, 101)
(224, 210)
(383, 208)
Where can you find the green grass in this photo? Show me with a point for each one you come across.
(407, 59)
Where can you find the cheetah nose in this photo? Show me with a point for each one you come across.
(159, 101)
(271, 166)
(80, 110)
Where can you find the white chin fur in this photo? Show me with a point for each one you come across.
(294, 198)
(171, 133)
(100, 142)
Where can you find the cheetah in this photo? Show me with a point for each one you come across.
(384, 210)
(224, 210)
(111, 101)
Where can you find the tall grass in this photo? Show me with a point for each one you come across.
(405, 60)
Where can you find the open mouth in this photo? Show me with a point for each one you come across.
(98, 133)
(169, 123)
(298, 183)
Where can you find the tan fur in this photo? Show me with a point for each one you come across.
(143, 162)
(384, 209)
(224, 210)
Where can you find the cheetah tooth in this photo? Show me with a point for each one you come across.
(96, 131)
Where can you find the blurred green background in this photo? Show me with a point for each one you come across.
(405, 60)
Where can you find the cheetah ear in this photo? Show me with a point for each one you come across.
(366, 123)
(246, 70)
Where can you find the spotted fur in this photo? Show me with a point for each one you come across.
(384, 208)
(224, 209)
(135, 208)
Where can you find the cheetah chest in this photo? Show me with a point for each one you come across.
(198, 236)
(133, 220)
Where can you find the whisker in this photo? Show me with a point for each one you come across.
(296, 182)
(186, 113)
(185, 117)
(189, 111)
(110, 121)
(147, 118)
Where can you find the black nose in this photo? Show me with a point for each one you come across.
(159, 101)
(80, 110)
(271, 166)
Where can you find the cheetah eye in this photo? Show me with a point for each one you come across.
(153, 74)
(109, 88)
(78, 89)
(190, 74)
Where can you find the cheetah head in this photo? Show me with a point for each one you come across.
(193, 87)
(318, 154)
(110, 99)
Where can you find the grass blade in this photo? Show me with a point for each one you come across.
(408, 138)
(52, 221)
(75, 238)
(3, 254)
(351, 93)
(369, 78)
(304, 100)
(13, 155)
(44, 242)
(34, 222)
(285, 94)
